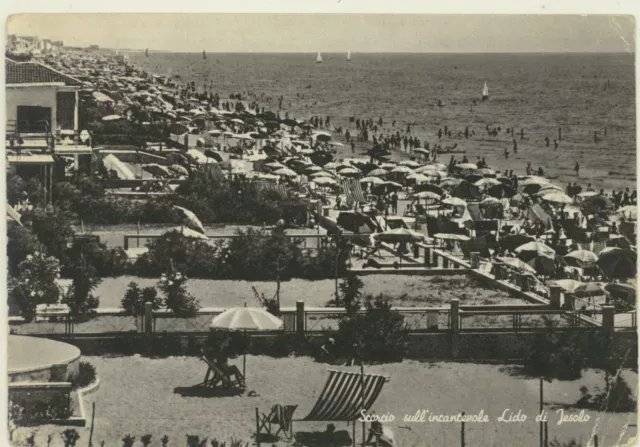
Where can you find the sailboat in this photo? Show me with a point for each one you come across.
(485, 92)
(204, 55)
(349, 56)
(319, 59)
(146, 52)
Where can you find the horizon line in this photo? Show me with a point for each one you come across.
(361, 52)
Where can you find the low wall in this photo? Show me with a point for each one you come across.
(471, 346)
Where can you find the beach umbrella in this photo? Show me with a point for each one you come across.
(409, 163)
(465, 166)
(586, 194)
(179, 169)
(399, 235)
(111, 118)
(187, 232)
(285, 172)
(322, 136)
(387, 166)
(274, 165)
(550, 187)
(155, 169)
(454, 201)
(321, 174)
(402, 169)
(246, 319)
(421, 151)
(533, 180)
(430, 187)
(629, 212)
(426, 195)
(451, 237)
(534, 249)
(516, 264)
(349, 171)
(419, 178)
(325, 181)
(378, 172)
(451, 182)
(313, 168)
(567, 285)
(557, 197)
(266, 176)
(487, 181)
(237, 121)
(331, 165)
(486, 171)
(191, 218)
(374, 180)
(618, 262)
(336, 144)
(490, 201)
(590, 289)
(427, 169)
(583, 256)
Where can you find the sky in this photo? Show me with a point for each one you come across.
(335, 32)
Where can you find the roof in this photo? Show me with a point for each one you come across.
(35, 73)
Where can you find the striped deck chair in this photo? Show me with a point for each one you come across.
(353, 191)
(341, 398)
(216, 377)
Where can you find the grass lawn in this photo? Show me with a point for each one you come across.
(141, 396)
(406, 290)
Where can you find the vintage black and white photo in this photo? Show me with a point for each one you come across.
(248, 229)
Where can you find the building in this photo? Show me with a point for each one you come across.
(42, 121)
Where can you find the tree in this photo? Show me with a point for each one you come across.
(84, 280)
(20, 243)
(177, 299)
(350, 294)
(135, 298)
(36, 283)
(378, 335)
(277, 255)
(52, 229)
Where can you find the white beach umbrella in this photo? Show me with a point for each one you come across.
(372, 179)
(454, 201)
(325, 181)
(557, 197)
(487, 181)
(285, 172)
(191, 218)
(402, 169)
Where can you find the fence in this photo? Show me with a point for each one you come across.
(456, 318)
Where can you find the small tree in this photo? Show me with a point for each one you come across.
(135, 298)
(378, 335)
(20, 243)
(84, 280)
(350, 294)
(177, 299)
(36, 283)
(70, 437)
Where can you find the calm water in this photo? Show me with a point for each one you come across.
(582, 93)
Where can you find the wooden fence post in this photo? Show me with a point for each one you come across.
(427, 256)
(555, 292)
(148, 326)
(300, 317)
(455, 327)
(462, 441)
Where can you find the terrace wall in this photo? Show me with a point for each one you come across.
(501, 347)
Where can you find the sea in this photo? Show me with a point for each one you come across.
(584, 101)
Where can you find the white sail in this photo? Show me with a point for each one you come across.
(485, 91)
(349, 55)
(319, 58)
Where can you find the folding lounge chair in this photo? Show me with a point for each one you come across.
(216, 377)
(342, 398)
(280, 416)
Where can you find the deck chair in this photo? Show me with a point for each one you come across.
(281, 416)
(342, 398)
(216, 377)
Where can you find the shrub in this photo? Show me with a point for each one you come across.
(106, 261)
(270, 304)
(617, 397)
(378, 335)
(36, 284)
(52, 228)
(350, 293)
(70, 437)
(135, 298)
(556, 355)
(177, 299)
(79, 297)
(86, 376)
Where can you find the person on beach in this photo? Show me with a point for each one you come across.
(394, 203)
(380, 436)
(515, 146)
(555, 144)
(577, 169)
(506, 153)
(546, 140)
